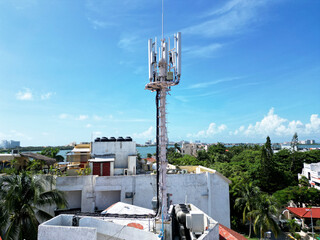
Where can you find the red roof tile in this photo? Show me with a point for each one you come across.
(303, 213)
(151, 159)
(228, 234)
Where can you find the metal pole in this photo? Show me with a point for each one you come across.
(162, 20)
(312, 224)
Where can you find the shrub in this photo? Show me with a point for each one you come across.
(297, 236)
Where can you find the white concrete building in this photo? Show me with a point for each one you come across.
(113, 157)
(128, 226)
(192, 148)
(312, 173)
(208, 191)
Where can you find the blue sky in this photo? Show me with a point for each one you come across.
(73, 70)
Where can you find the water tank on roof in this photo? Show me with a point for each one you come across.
(120, 139)
(104, 139)
(112, 139)
(128, 139)
(97, 139)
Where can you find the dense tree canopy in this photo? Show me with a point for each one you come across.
(275, 174)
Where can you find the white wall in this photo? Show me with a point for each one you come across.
(208, 191)
(74, 199)
(61, 228)
(105, 199)
(120, 149)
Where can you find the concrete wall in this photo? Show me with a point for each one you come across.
(106, 230)
(132, 162)
(74, 199)
(209, 192)
(61, 228)
(120, 149)
(220, 202)
(105, 199)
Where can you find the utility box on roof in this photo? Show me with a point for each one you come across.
(195, 221)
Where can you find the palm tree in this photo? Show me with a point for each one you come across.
(265, 215)
(248, 201)
(22, 198)
(177, 147)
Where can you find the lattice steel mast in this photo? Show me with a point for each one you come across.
(164, 72)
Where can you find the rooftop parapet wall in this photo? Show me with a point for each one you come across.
(109, 230)
(208, 191)
(61, 228)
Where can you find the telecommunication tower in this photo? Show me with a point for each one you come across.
(164, 72)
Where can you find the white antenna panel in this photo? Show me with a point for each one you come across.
(150, 59)
(179, 54)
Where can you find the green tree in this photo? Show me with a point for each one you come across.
(247, 202)
(217, 148)
(294, 148)
(36, 165)
(304, 182)
(22, 198)
(293, 225)
(138, 156)
(294, 142)
(53, 153)
(203, 157)
(265, 215)
(267, 171)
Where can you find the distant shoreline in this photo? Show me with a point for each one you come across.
(35, 148)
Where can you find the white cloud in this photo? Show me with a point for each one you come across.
(232, 18)
(314, 125)
(148, 134)
(102, 14)
(207, 84)
(88, 125)
(25, 95)
(63, 116)
(82, 117)
(128, 43)
(46, 95)
(274, 125)
(202, 51)
(99, 23)
(15, 135)
(97, 118)
(139, 70)
(96, 134)
(237, 131)
(182, 98)
(270, 125)
(212, 130)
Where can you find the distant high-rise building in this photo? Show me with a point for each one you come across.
(3, 144)
(14, 144)
(308, 141)
(9, 144)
